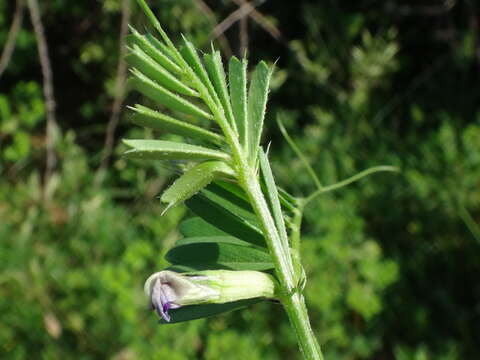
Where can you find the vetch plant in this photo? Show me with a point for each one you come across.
(243, 245)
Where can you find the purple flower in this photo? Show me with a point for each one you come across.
(170, 290)
(162, 299)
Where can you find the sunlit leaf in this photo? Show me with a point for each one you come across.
(166, 150)
(237, 76)
(160, 46)
(214, 66)
(164, 96)
(156, 120)
(257, 102)
(194, 180)
(190, 55)
(144, 63)
(155, 52)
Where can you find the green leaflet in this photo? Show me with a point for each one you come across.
(155, 52)
(168, 150)
(287, 200)
(227, 212)
(219, 255)
(153, 119)
(160, 46)
(222, 193)
(224, 239)
(194, 312)
(156, 24)
(164, 96)
(237, 76)
(144, 63)
(272, 195)
(235, 190)
(196, 226)
(194, 180)
(214, 66)
(191, 57)
(257, 102)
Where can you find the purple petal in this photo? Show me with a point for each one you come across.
(164, 313)
(165, 309)
(160, 302)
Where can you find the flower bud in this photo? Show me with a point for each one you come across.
(170, 290)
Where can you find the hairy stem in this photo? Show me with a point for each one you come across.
(297, 312)
(292, 300)
(296, 227)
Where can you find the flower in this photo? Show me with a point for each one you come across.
(170, 290)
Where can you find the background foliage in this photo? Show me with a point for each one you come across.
(392, 262)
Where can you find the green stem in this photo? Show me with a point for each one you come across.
(296, 227)
(297, 312)
(292, 300)
(281, 259)
(300, 154)
(348, 181)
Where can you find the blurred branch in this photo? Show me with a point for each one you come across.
(231, 19)
(210, 15)
(261, 20)
(246, 9)
(243, 34)
(48, 92)
(469, 222)
(12, 36)
(119, 96)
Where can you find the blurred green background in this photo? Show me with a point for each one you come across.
(393, 262)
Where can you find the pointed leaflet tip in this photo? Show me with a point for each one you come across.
(156, 24)
(169, 206)
(132, 29)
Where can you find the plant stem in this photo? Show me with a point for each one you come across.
(348, 181)
(296, 227)
(292, 299)
(300, 154)
(281, 259)
(297, 312)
